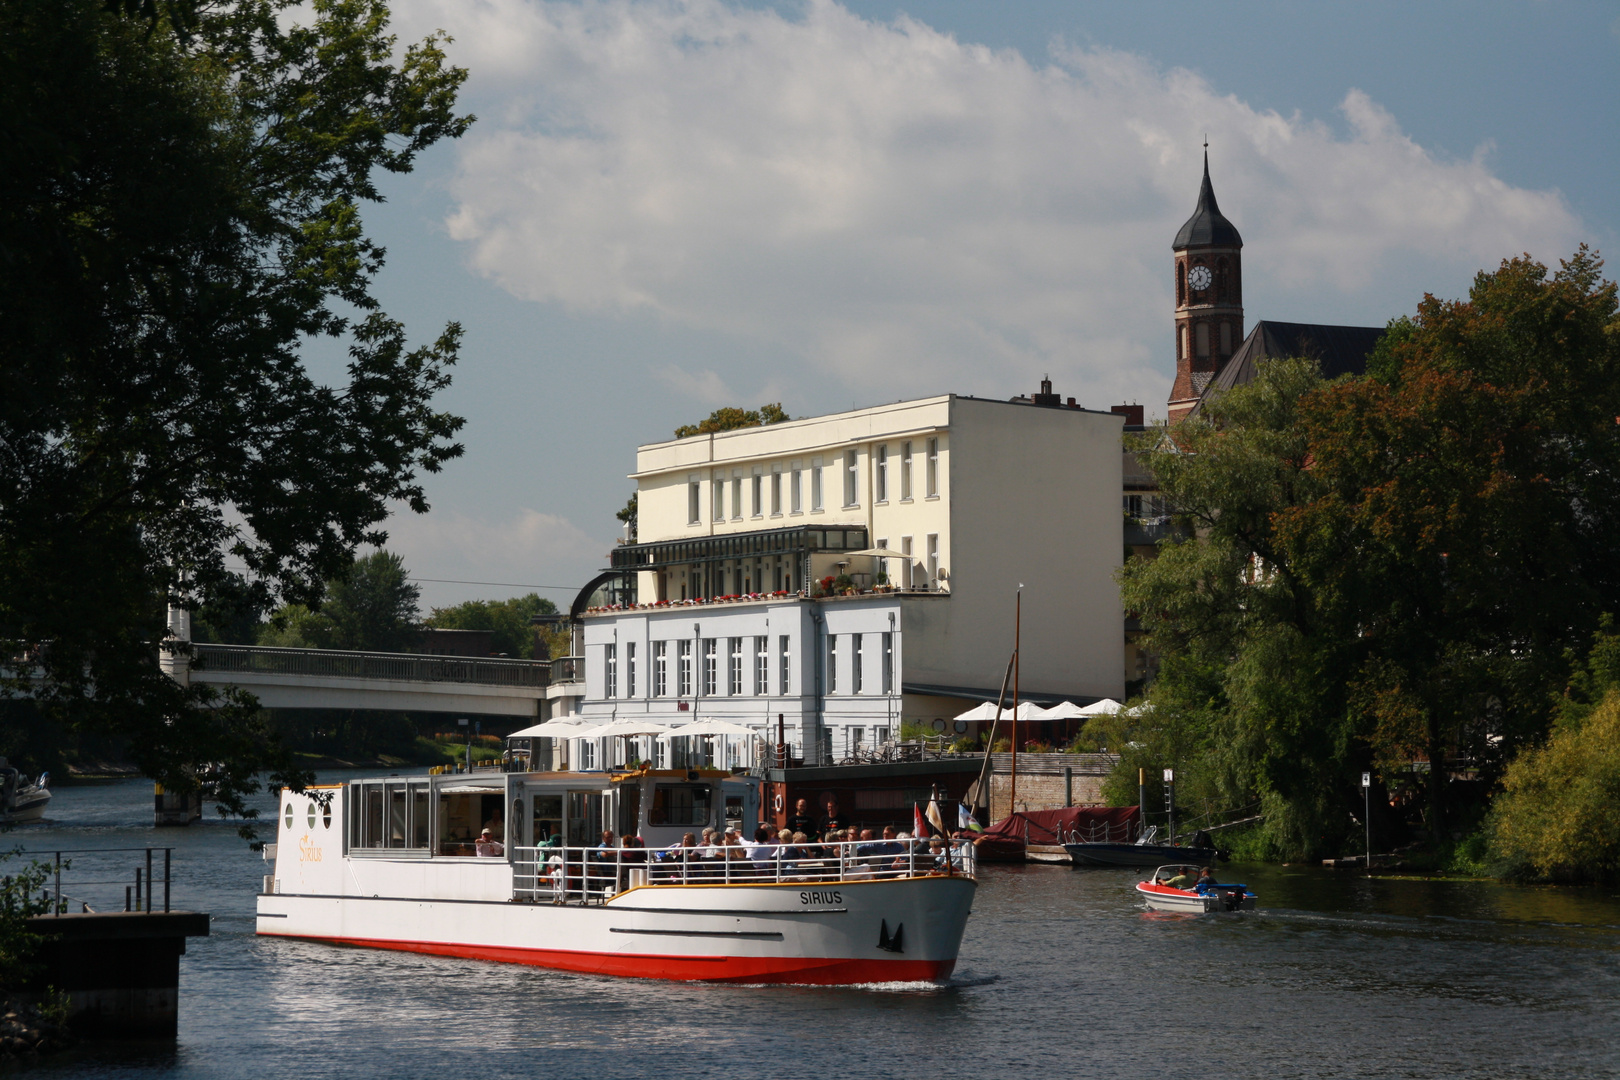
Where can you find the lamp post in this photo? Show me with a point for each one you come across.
(1366, 813)
(463, 724)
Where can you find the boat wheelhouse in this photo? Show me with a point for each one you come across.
(402, 863)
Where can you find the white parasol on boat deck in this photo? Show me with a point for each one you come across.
(710, 726)
(552, 729)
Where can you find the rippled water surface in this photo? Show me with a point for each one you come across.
(1062, 974)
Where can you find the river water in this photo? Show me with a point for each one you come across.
(1061, 974)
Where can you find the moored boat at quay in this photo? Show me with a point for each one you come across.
(399, 863)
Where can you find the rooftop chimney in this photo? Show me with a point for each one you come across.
(1046, 397)
(1131, 413)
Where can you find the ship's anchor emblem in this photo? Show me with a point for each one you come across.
(891, 944)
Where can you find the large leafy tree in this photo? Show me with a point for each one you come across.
(1398, 566)
(180, 214)
(373, 607)
(730, 418)
(508, 620)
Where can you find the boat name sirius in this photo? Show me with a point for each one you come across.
(401, 863)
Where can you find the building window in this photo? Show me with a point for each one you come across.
(660, 669)
(880, 480)
(933, 560)
(856, 738)
(610, 671)
(684, 664)
(776, 493)
(905, 472)
(736, 498)
(734, 672)
(762, 666)
(719, 500)
(759, 494)
(629, 669)
(1201, 336)
(856, 641)
(851, 478)
(797, 490)
(883, 565)
(888, 662)
(933, 468)
(815, 484)
(694, 496)
(782, 678)
(880, 736)
(1226, 338)
(711, 663)
(587, 754)
(1181, 342)
(832, 663)
(905, 549)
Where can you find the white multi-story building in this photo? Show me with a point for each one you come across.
(722, 608)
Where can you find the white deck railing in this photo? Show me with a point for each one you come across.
(591, 875)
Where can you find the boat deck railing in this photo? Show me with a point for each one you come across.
(585, 875)
(1101, 832)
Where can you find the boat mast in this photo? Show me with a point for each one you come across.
(1018, 624)
(983, 787)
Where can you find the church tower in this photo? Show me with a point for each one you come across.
(1209, 298)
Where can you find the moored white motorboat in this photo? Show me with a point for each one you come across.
(1196, 899)
(396, 863)
(22, 800)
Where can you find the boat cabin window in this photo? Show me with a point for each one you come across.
(679, 804)
(584, 818)
(464, 813)
(388, 814)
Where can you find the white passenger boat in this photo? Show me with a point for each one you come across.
(397, 863)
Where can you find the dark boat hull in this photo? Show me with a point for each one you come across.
(1137, 854)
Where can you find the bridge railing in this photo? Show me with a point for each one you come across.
(398, 667)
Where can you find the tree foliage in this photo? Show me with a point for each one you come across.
(372, 607)
(731, 418)
(179, 216)
(1394, 567)
(507, 619)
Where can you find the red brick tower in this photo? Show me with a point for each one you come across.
(1209, 298)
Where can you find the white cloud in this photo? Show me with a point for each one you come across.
(908, 213)
(526, 549)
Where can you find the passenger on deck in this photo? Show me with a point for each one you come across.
(834, 819)
(801, 820)
(487, 846)
(495, 827)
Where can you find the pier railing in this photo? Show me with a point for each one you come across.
(580, 875)
(399, 667)
(143, 873)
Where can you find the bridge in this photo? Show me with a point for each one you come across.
(337, 679)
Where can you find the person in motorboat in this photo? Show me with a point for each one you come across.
(1183, 880)
(1205, 879)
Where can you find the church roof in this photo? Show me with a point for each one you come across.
(1340, 350)
(1207, 227)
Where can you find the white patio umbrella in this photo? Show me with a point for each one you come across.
(551, 729)
(1029, 711)
(1105, 707)
(628, 729)
(984, 712)
(710, 726)
(1066, 710)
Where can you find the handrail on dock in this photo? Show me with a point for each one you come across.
(139, 895)
(583, 875)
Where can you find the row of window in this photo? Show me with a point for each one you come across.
(747, 666)
(765, 494)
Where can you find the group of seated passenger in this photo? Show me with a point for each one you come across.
(786, 854)
(1186, 880)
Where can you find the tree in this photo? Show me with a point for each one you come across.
(1396, 567)
(731, 418)
(371, 607)
(180, 213)
(508, 620)
(629, 515)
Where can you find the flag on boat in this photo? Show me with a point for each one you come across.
(965, 820)
(935, 818)
(919, 826)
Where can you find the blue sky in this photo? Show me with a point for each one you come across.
(667, 207)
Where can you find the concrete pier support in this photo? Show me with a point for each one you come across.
(120, 970)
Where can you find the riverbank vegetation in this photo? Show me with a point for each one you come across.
(1400, 574)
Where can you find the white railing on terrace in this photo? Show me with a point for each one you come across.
(405, 667)
(580, 875)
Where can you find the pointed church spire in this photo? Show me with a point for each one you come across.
(1207, 227)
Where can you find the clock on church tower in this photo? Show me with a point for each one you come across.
(1209, 298)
